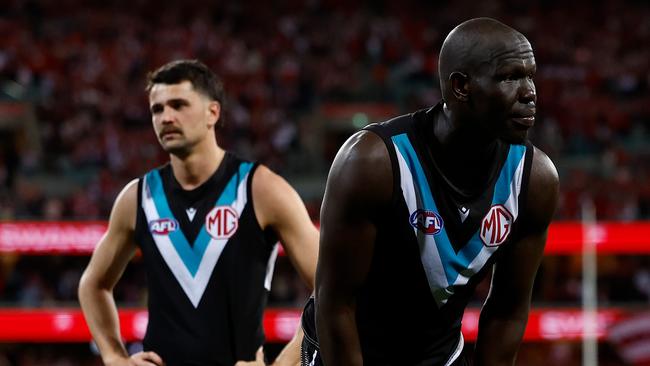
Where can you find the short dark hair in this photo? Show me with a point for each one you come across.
(196, 72)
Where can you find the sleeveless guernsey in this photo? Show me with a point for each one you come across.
(434, 244)
(208, 265)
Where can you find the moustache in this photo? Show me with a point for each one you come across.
(167, 130)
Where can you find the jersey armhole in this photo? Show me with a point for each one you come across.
(269, 236)
(396, 194)
(138, 212)
(249, 187)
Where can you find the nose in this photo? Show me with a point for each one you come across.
(167, 115)
(527, 92)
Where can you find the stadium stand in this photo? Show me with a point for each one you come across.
(301, 76)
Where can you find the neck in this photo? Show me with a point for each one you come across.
(198, 166)
(466, 152)
(461, 139)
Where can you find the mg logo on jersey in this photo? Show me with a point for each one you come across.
(163, 226)
(496, 225)
(428, 222)
(222, 222)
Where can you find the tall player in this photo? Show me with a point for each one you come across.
(419, 208)
(206, 224)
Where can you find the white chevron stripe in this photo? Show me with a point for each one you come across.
(512, 204)
(429, 255)
(193, 286)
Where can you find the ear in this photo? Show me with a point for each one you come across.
(214, 109)
(460, 85)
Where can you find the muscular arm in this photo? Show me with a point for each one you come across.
(505, 312)
(277, 205)
(106, 266)
(359, 183)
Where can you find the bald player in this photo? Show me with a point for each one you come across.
(420, 208)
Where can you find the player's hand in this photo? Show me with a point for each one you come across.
(140, 359)
(286, 363)
(259, 359)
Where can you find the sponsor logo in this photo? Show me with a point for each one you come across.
(496, 226)
(428, 222)
(190, 213)
(163, 226)
(464, 212)
(222, 222)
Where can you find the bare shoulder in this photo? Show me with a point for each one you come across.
(267, 181)
(125, 207)
(363, 148)
(543, 190)
(543, 170)
(129, 193)
(274, 199)
(362, 168)
(270, 189)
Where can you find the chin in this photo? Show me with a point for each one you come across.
(515, 137)
(175, 149)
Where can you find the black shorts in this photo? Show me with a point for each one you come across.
(310, 352)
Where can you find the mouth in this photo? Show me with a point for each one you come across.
(169, 134)
(524, 121)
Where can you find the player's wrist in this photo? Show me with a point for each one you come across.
(115, 360)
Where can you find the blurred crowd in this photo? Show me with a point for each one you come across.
(81, 71)
(74, 77)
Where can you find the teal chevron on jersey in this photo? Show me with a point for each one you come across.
(191, 265)
(503, 188)
(192, 255)
(444, 266)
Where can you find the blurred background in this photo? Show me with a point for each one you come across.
(300, 77)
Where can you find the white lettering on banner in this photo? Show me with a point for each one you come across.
(596, 234)
(560, 325)
(632, 338)
(286, 324)
(140, 321)
(35, 237)
(63, 322)
(470, 322)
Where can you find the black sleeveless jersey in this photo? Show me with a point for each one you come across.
(208, 266)
(434, 244)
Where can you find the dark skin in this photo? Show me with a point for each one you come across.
(489, 95)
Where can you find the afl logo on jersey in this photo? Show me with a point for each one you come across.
(428, 222)
(222, 222)
(496, 226)
(163, 226)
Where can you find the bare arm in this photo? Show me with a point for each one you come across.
(278, 205)
(290, 354)
(106, 266)
(505, 312)
(359, 184)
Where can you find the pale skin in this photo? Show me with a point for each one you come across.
(184, 122)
